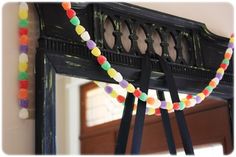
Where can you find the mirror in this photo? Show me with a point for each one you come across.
(81, 109)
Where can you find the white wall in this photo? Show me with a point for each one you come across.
(218, 17)
(18, 135)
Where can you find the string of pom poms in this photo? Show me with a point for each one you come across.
(189, 101)
(23, 61)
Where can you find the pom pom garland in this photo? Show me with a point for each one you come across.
(189, 101)
(23, 61)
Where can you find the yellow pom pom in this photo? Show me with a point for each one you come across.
(96, 52)
(130, 88)
(23, 67)
(113, 94)
(151, 111)
(79, 29)
(169, 106)
(231, 40)
(201, 95)
(112, 72)
(220, 70)
(23, 14)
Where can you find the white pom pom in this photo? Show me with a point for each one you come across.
(24, 113)
(229, 50)
(85, 36)
(24, 6)
(118, 77)
(23, 58)
(216, 80)
(192, 102)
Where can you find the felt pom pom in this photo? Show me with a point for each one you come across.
(189, 96)
(118, 77)
(75, 21)
(120, 99)
(143, 96)
(113, 94)
(23, 94)
(112, 72)
(24, 40)
(130, 88)
(79, 29)
(123, 84)
(108, 89)
(85, 36)
(66, 5)
(91, 44)
(106, 65)
(23, 31)
(150, 100)
(157, 112)
(137, 93)
(224, 66)
(101, 59)
(23, 84)
(70, 13)
(96, 51)
(24, 113)
(206, 92)
(176, 106)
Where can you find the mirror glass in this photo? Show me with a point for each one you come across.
(84, 112)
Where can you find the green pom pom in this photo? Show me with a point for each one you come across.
(106, 66)
(23, 23)
(75, 20)
(143, 97)
(209, 88)
(225, 61)
(181, 105)
(23, 76)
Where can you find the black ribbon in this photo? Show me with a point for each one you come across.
(185, 136)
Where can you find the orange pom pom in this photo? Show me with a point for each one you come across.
(24, 40)
(66, 5)
(228, 55)
(23, 94)
(150, 100)
(212, 84)
(187, 103)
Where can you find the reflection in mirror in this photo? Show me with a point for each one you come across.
(68, 114)
(82, 111)
(87, 118)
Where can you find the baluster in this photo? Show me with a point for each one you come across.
(197, 49)
(164, 43)
(117, 24)
(148, 29)
(133, 36)
(178, 47)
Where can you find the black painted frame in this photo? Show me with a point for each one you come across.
(59, 46)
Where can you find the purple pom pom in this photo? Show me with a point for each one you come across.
(108, 89)
(123, 83)
(24, 103)
(23, 48)
(219, 76)
(91, 44)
